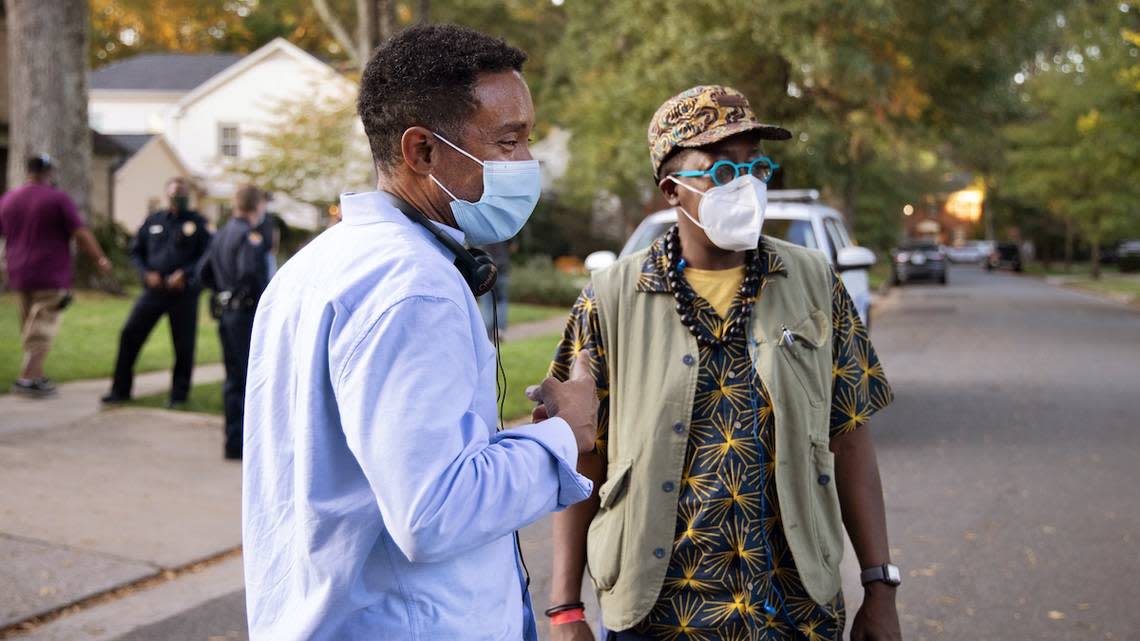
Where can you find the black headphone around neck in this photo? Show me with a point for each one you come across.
(475, 265)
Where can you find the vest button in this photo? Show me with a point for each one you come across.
(667, 486)
(679, 427)
(659, 553)
(687, 359)
(824, 479)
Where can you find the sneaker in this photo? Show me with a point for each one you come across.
(114, 399)
(39, 388)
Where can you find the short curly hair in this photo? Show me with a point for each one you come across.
(425, 76)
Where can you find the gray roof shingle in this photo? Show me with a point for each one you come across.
(132, 143)
(162, 71)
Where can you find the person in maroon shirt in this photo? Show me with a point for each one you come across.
(38, 223)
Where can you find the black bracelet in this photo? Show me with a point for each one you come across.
(565, 607)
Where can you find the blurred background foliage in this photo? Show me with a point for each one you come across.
(891, 101)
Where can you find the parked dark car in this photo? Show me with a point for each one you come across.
(1128, 256)
(918, 260)
(1005, 256)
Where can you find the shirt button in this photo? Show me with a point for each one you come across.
(687, 359)
(659, 553)
(736, 425)
(824, 479)
(667, 486)
(679, 428)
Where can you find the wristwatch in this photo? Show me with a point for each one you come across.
(887, 573)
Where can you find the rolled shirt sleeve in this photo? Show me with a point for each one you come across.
(444, 481)
(859, 385)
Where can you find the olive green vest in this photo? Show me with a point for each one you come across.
(653, 367)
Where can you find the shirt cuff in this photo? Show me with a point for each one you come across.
(555, 436)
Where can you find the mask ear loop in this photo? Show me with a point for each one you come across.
(683, 210)
(456, 148)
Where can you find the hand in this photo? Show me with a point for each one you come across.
(877, 619)
(577, 631)
(153, 280)
(575, 401)
(103, 265)
(176, 281)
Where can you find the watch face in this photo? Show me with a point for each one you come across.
(893, 575)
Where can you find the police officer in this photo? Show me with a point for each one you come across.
(237, 269)
(166, 251)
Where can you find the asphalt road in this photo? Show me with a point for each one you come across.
(1009, 459)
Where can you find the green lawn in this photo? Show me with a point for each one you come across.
(1121, 286)
(88, 339)
(880, 273)
(525, 362)
(525, 313)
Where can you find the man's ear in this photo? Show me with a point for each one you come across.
(418, 147)
(669, 189)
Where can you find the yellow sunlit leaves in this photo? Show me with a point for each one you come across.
(1088, 122)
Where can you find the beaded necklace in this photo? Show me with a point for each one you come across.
(738, 316)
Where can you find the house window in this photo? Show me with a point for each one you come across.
(229, 141)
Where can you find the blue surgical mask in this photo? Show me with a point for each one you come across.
(510, 191)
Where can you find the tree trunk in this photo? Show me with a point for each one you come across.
(424, 13)
(1068, 243)
(367, 29)
(47, 67)
(386, 10)
(1095, 257)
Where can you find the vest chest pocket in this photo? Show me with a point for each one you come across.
(605, 536)
(803, 346)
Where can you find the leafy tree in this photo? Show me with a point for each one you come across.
(1077, 155)
(122, 28)
(314, 150)
(875, 86)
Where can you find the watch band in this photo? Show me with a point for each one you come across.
(887, 573)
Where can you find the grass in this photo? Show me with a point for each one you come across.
(518, 313)
(204, 397)
(88, 339)
(1058, 269)
(525, 362)
(880, 274)
(1123, 287)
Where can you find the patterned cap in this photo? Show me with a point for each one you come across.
(701, 116)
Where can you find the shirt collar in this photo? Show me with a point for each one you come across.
(373, 207)
(652, 279)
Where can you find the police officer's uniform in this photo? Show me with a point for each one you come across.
(236, 268)
(168, 241)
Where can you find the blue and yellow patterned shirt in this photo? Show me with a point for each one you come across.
(731, 574)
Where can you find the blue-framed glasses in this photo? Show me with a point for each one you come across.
(725, 171)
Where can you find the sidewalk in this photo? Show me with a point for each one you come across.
(97, 499)
(107, 498)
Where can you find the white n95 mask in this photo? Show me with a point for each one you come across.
(731, 214)
(510, 192)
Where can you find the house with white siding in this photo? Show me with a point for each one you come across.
(203, 107)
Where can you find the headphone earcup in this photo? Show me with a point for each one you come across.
(481, 278)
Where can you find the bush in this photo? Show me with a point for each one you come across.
(113, 238)
(1129, 263)
(537, 282)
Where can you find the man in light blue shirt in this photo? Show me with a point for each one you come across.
(379, 501)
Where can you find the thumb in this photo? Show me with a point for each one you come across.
(580, 368)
